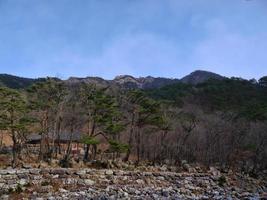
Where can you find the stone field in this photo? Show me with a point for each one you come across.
(59, 183)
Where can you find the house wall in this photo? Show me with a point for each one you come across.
(5, 139)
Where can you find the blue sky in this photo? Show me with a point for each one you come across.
(167, 38)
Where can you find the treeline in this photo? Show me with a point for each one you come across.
(219, 122)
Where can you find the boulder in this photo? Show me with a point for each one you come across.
(140, 182)
(109, 172)
(89, 182)
(214, 172)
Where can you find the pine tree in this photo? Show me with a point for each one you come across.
(46, 98)
(13, 118)
(144, 112)
(103, 116)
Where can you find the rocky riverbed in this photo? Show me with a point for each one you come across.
(58, 183)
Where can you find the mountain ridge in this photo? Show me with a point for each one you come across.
(125, 81)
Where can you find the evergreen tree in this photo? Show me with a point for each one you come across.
(45, 99)
(144, 112)
(13, 118)
(103, 116)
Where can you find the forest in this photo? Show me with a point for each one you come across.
(219, 122)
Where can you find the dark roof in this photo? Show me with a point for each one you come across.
(63, 137)
(33, 138)
(67, 136)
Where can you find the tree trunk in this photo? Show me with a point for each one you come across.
(58, 128)
(44, 136)
(130, 142)
(138, 145)
(95, 151)
(86, 154)
(14, 150)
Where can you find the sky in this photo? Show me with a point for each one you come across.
(106, 38)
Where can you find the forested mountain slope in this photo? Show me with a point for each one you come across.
(215, 120)
(247, 98)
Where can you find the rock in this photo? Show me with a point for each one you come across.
(10, 177)
(62, 190)
(55, 176)
(23, 182)
(164, 168)
(4, 197)
(165, 193)
(26, 166)
(45, 189)
(183, 162)
(89, 182)
(3, 172)
(58, 171)
(215, 172)
(82, 193)
(34, 171)
(140, 182)
(11, 171)
(109, 172)
(188, 168)
(161, 178)
(70, 181)
(147, 181)
(198, 169)
(137, 192)
(125, 194)
(81, 172)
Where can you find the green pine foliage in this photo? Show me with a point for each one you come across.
(90, 140)
(117, 147)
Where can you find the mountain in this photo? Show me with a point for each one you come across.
(200, 76)
(125, 81)
(16, 82)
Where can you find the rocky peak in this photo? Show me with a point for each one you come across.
(88, 80)
(125, 78)
(143, 82)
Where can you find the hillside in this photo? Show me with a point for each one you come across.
(243, 97)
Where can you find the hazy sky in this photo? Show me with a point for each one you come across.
(167, 38)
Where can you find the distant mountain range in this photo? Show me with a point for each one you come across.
(125, 81)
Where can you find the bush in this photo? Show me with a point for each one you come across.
(65, 162)
(18, 189)
(221, 181)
